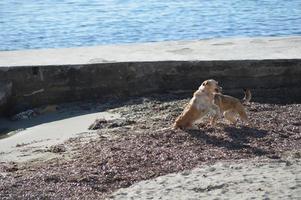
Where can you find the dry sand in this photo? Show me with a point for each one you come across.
(246, 179)
(32, 138)
(260, 48)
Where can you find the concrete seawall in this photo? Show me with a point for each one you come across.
(271, 67)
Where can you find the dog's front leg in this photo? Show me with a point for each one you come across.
(217, 114)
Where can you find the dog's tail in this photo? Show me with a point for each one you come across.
(247, 96)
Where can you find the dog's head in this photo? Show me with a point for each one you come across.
(211, 86)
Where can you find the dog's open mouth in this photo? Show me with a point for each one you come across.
(218, 90)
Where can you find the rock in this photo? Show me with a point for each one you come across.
(52, 178)
(103, 123)
(28, 114)
(98, 124)
(57, 149)
(11, 167)
(120, 122)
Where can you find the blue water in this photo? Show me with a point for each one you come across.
(31, 24)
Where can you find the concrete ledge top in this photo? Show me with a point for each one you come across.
(201, 50)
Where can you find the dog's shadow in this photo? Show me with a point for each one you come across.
(236, 138)
(244, 133)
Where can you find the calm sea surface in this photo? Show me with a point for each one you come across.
(31, 24)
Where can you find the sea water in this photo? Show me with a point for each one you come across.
(32, 24)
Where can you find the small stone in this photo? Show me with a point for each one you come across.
(57, 149)
(212, 169)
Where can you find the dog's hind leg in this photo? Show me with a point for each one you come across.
(243, 115)
(230, 116)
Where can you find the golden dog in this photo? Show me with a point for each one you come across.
(200, 104)
(231, 106)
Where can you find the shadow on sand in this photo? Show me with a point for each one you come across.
(236, 138)
(75, 109)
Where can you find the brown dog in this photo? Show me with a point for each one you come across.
(230, 106)
(200, 104)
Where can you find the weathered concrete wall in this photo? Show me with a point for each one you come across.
(270, 80)
(5, 94)
(270, 66)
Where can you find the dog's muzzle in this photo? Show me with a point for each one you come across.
(218, 89)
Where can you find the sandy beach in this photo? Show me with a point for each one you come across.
(135, 154)
(90, 91)
(245, 179)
